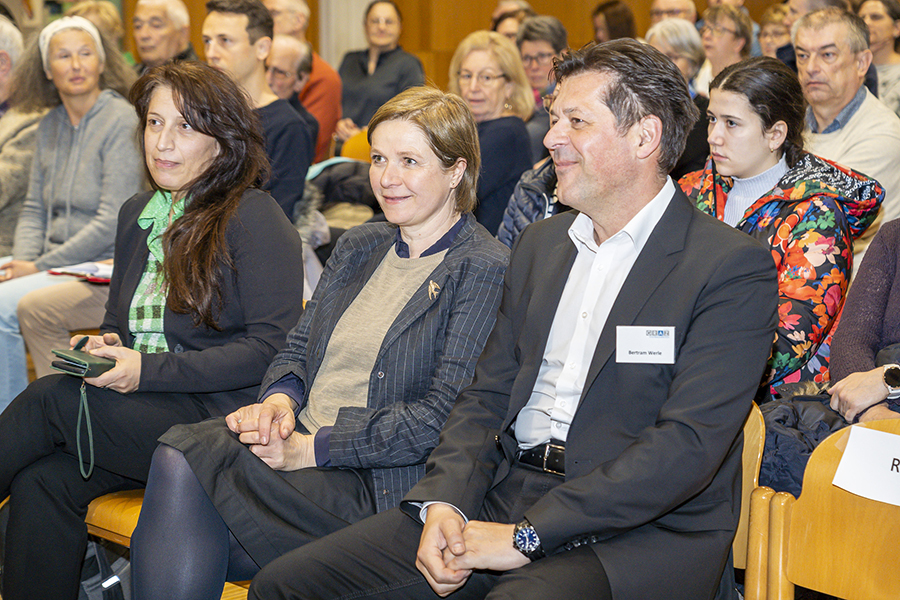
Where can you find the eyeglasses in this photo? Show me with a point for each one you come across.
(382, 21)
(278, 73)
(547, 101)
(771, 35)
(717, 30)
(542, 59)
(672, 13)
(483, 79)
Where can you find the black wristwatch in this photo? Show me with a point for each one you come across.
(891, 378)
(526, 540)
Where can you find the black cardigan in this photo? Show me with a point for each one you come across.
(262, 301)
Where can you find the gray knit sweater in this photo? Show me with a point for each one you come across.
(79, 178)
(18, 132)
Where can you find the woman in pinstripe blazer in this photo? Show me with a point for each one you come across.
(354, 404)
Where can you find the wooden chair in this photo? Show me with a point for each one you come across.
(828, 540)
(114, 516)
(751, 459)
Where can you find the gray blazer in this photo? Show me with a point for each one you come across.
(427, 356)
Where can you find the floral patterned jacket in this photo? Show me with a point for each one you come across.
(808, 221)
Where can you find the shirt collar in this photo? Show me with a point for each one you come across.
(442, 244)
(637, 230)
(842, 117)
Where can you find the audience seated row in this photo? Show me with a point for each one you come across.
(806, 209)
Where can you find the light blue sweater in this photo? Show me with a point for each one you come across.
(79, 178)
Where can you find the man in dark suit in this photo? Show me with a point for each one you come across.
(598, 450)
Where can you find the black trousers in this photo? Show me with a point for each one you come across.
(375, 558)
(46, 536)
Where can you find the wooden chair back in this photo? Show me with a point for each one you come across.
(830, 540)
(751, 459)
(357, 147)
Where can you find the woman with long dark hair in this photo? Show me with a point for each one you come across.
(207, 282)
(806, 209)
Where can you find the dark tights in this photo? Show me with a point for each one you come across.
(182, 547)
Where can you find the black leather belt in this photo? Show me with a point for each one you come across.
(549, 457)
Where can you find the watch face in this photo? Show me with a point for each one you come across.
(527, 539)
(892, 377)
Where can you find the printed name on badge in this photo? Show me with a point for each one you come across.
(645, 344)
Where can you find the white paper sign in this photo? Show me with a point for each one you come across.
(645, 344)
(870, 466)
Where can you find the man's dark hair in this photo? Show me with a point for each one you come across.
(259, 21)
(543, 28)
(643, 82)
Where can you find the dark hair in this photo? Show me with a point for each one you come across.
(519, 14)
(774, 94)
(449, 128)
(543, 29)
(195, 245)
(644, 82)
(619, 19)
(391, 2)
(259, 20)
(891, 8)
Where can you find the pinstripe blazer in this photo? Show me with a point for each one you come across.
(428, 354)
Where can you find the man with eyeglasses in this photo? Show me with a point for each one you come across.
(288, 70)
(321, 95)
(540, 40)
(661, 10)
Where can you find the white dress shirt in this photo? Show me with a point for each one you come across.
(592, 287)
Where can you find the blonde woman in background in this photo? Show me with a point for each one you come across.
(487, 72)
(773, 33)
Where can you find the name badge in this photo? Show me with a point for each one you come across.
(645, 344)
(870, 465)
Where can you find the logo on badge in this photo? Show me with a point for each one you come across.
(657, 333)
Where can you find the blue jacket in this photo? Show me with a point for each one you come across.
(533, 199)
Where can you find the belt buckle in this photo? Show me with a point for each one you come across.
(547, 449)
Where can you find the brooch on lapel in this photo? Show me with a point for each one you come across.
(433, 290)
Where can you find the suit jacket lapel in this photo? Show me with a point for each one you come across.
(658, 257)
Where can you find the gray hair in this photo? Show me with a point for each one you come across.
(857, 30)
(684, 38)
(10, 39)
(543, 28)
(176, 11)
